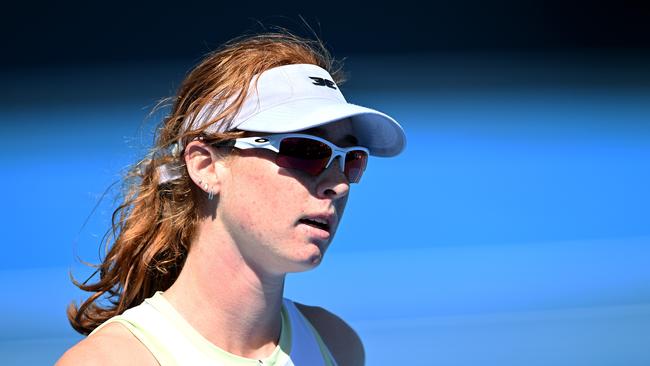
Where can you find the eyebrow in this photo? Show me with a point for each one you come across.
(351, 139)
(347, 138)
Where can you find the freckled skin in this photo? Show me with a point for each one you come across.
(260, 205)
(258, 208)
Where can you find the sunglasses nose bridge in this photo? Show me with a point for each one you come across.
(335, 154)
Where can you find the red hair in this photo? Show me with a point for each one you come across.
(152, 229)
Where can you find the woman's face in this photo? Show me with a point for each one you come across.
(275, 215)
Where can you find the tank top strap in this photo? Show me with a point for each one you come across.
(307, 347)
(157, 335)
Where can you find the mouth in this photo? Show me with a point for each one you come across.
(318, 223)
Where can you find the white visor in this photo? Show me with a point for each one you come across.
(297, 97)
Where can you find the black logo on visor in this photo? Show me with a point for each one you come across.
(323, 82)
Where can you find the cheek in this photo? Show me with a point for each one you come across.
(262, 196)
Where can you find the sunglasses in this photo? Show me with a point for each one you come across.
(307, 153)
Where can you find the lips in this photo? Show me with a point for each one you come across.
(316, 223)
(322, 222)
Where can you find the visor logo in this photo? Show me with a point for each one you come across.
(323, 82)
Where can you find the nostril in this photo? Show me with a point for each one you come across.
(330, 192)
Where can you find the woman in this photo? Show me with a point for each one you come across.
(247, 181)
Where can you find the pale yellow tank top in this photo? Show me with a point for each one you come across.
(173, 341)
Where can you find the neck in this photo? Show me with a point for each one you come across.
(226, 300)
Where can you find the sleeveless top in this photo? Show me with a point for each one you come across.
(173, 341)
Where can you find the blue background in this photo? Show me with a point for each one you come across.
(513, 230)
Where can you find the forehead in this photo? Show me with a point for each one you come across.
(340, 132)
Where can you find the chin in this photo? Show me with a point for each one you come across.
(308, 263)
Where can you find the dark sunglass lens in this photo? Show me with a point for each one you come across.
(355, 164)
(307, 155)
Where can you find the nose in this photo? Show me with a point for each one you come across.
(333, 183)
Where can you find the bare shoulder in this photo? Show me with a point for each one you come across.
(340, 338)
(111, 345)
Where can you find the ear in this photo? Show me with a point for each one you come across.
(204, 166)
